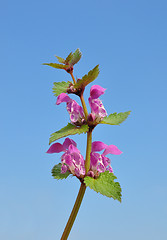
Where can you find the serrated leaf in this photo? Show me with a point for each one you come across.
(76, 56)
(61, 60)
(105, 185)
(115, 118)
(68, 58)
(56, 65)
(56, 172)
(70, 129)
(90, 77)
(60, 87)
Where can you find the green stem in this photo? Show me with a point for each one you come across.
(84, 106)
(87, 166)
(88, 151)
(82, 99)
(73, 78)
(74, 212)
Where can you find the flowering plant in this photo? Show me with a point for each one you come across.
(95, 169)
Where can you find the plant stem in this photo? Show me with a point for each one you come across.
(84, 106)
(74, 212)
(87, 166)
(88, 151)
(82, 99)
(73, 77)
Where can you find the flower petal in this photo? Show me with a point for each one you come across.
(67, 160)
(63, 97)
(94, 157)
(91, 117)
(67, 143)
(64, 168)
(97, 108)
(110, 169)
(96, 91)
(98, 146)
(56, 148)
(91, 174)
(112, 149)
(73, 149)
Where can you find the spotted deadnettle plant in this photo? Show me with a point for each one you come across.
(95, 169)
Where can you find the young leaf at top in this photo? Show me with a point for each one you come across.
(70, 129)
(86, 79)
(76, 56)
(60, 87)
(56, 65)
(68, 58)
(105, 185)
(56, 172)
(68, 63)
(61, 60)
(115, 118)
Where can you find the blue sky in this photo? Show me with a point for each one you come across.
(129, 41)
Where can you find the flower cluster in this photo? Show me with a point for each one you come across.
(73, 161)
(76, 112)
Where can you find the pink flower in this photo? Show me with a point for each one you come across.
(71, 160)
(74, 109)
(98, 111)
(99, 162)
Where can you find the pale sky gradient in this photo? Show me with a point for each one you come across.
(129, 41)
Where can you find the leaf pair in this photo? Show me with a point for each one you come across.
(70, 129)
(104, 184)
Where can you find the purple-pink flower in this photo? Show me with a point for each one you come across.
(76, 112)
(71, 160)
(74, 109)
(99, 162)
(98, 111)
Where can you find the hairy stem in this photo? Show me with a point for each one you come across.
(88, 151)
(74, 212)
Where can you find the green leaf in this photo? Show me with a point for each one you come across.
(60, 87)
(56, 172)
(105, 185)
(115, 118)
(68, 58)
(76, 56)
(61, 60)
(90, 77)
(56, 65)
(70, 129)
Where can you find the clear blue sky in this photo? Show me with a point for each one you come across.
(129, 41)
